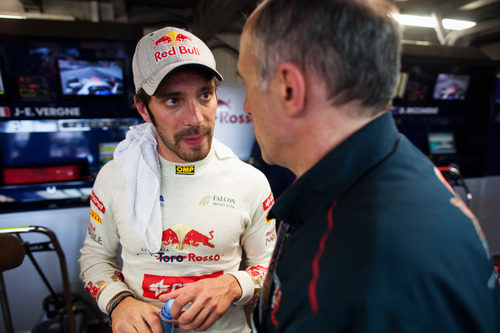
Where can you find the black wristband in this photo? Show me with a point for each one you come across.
(115, 303)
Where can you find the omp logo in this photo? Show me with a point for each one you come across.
(205, 200)
(184, 169)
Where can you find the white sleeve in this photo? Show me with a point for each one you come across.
(257, 241)
(99, 268)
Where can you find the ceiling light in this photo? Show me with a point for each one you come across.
(12, 16)
(477, 4)
(36, 16)
(450, 24)
(430, 22)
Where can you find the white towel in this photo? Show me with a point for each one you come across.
(137, 156)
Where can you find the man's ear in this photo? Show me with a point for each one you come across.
(141, 108)
(291, 87)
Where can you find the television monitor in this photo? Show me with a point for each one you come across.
(400, 87)
(419, 84)
(451, 86)
(83, 77)
(33, 87)
(441, 143)
(106, 150)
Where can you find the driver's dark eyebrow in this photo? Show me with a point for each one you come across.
(168, 94)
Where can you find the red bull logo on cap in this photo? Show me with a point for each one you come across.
(181, 236)
(172, 39)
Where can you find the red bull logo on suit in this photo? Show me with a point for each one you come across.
(181, 237)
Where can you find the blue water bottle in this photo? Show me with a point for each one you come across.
(166, 318)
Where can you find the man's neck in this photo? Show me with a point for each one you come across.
(322, 131)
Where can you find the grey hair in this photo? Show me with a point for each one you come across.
(353, 46)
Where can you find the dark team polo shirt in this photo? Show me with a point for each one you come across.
(376, 242)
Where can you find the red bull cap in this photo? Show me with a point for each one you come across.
(160, 52)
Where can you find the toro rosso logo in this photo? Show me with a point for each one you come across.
(181, 236)
(171, 38)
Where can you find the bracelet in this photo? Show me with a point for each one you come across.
(115, 303)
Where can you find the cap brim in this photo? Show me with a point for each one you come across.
(152, 84)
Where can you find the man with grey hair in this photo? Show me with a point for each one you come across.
(371, 237)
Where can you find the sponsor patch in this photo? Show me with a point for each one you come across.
(155, 285)
(257, 273)
(98, 203)
(268, 202)
(94, 216)
(218, 200)
(93, 234)
(95, 289)
(181, 236)
(270, 237)
(184, 169)
(117, 276)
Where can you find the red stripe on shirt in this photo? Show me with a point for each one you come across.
(313, 297)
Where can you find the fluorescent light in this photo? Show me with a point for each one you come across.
(430, 22)
(36, 16)
(415, 20)
(477, 4)
(450, 24)
(12, 16)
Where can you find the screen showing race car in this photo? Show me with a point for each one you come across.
(451, 87)
(79, 77)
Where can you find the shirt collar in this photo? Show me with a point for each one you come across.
(338, 170)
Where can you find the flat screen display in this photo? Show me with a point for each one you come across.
(46, 143)
(442, 143)
(451, 87)
(400, 87)
(79, 77)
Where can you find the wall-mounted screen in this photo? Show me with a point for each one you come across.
(400, 87)
(79, 77)
(451, 87)
(33, 87)
(442, 143)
